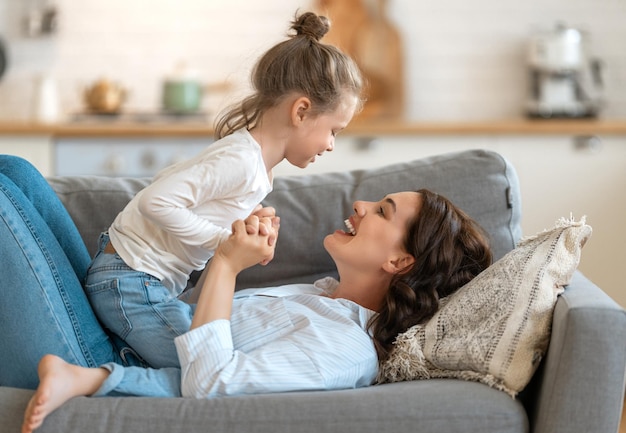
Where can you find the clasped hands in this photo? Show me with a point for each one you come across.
(252, 241)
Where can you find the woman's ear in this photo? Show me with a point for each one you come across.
(398, 264)
(300, 108)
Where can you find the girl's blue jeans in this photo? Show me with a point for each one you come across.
(136, 307)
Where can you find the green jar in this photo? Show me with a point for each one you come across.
(182, 96)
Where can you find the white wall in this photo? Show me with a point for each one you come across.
(465, 59)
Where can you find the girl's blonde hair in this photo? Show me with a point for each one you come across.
(301, 64)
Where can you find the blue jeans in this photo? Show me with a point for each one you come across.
(140, 382)
(43, 308)
(136, 307)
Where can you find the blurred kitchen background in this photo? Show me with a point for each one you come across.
(446, 75)
(463, 59)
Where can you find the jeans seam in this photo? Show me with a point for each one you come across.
(59, 282)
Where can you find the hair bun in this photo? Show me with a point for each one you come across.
(311, 26)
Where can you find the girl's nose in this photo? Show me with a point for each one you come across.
(331, 145)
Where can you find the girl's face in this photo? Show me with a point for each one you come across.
(375, 232)
(315, 133)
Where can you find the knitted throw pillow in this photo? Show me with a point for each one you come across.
(496, 328)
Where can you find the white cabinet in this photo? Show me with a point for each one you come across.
(35, 148)
(559, 175)
(120, 156)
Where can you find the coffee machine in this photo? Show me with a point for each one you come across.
(564, 81)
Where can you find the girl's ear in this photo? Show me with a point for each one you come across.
(300, 108)
(398, 264)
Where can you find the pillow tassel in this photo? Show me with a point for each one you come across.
(407, 361)
(561, 223)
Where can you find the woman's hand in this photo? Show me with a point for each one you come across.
(249, 244)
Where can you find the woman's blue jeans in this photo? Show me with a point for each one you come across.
(43, 260)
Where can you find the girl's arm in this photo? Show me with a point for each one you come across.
(174, 200)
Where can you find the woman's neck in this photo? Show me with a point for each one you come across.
(365, 290)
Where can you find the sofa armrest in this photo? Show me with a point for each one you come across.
(581, 384)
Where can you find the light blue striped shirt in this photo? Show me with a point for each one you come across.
(287, 338)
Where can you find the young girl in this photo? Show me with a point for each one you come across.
(305, 93)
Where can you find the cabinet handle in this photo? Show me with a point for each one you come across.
(588, 143)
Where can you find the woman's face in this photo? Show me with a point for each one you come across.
(375, 232)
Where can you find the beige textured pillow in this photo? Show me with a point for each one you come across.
(496, 328)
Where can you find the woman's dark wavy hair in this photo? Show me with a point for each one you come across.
(449, 248)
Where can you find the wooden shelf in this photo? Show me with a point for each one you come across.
(495, 127)
(358, 128)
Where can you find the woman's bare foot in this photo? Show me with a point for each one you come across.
(59, 381)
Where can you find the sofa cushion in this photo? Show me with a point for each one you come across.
(496, 328)
(93, 202)
(437, 406)
(481, 182)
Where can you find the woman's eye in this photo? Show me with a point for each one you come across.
(381, 211)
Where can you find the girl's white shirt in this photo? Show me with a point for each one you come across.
(173, 226)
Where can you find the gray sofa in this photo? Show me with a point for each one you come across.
(579, 387)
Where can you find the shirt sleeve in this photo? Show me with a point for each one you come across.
(171, 201)
(211, 367)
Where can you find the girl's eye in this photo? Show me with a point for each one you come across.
(381, 211)
(333, 133)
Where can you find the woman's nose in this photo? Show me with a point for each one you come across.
(359, 208)
(331, 146)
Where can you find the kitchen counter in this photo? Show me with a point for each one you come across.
(108, 129)
(357, 128)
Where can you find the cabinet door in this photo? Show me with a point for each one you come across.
(131, 157)
(36, 148)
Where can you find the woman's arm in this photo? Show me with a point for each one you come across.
(251, 242)
(262, 213)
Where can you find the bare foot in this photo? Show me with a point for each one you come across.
(59, 381)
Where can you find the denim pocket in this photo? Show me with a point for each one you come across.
(107, 302)
(156, 292)
(170, 311)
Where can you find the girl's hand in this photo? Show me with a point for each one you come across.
(267, 212)
(252, 241)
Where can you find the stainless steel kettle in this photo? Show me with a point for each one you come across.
(565, 80)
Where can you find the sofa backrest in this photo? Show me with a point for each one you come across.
(480, 182)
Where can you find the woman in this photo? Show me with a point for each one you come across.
(419, 247)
